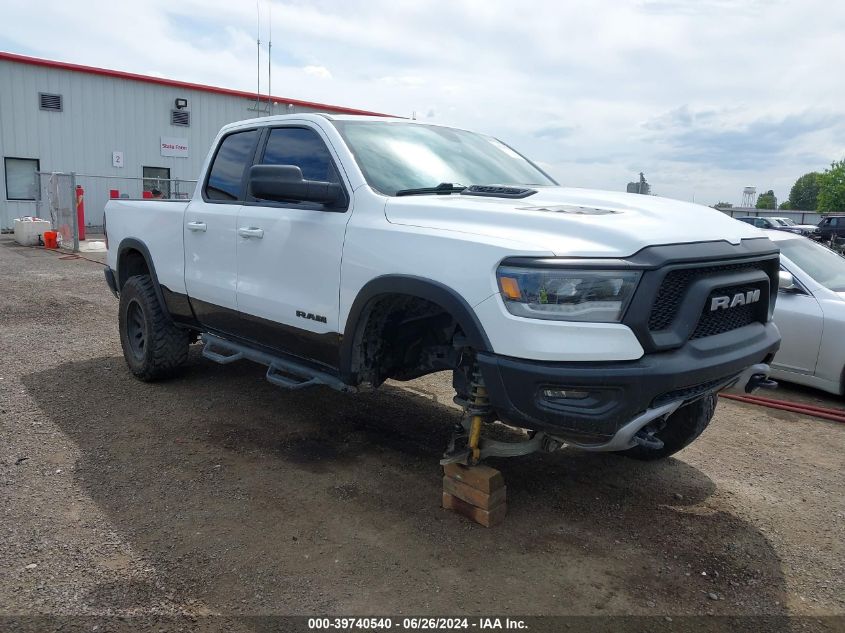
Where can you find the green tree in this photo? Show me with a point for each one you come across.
(805, 192)
(785, 206)
(767, 200)
(832, 188)
(723, 205)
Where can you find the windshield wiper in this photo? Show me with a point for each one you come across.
(442, 188)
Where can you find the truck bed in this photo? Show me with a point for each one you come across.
(159, 224)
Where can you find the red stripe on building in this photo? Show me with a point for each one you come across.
(119, 74)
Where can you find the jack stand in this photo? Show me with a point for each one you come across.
(472, 490)
(476, 492)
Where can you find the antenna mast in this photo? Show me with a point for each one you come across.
(258, 55)
(270, 58)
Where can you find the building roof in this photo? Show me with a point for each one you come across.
(119, 74)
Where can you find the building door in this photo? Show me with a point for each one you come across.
(157, 181)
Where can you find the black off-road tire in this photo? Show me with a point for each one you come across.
(152, 345)
(682, 427)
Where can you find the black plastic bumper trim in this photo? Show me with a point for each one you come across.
(111, 281)
(619, 390)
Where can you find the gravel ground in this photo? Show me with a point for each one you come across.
(217, 493)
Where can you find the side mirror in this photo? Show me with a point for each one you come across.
(786, 282)
(284, 183)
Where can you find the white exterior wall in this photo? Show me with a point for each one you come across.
(101, 115)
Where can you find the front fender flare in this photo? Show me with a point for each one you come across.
(420, 287)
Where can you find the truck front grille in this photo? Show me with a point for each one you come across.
(674, 287)
(720, 321)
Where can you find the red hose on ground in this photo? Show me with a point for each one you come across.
(835, 415)
(799, 405)
(66, 255)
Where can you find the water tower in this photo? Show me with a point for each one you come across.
(749, 197)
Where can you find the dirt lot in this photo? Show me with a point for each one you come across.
(217, 493)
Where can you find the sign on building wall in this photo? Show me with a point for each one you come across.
(172, 146)
(117, 159)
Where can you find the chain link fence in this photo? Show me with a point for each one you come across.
(75, 203)
(57, 202)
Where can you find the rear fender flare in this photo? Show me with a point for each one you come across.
(129, 244)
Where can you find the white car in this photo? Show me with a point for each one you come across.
(788, 224)
(810, 314)
(782, 224)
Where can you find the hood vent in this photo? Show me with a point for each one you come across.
(569, 208)
(496, 191)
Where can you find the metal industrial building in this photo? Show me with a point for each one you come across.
(119, 133)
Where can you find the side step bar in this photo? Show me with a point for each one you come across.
(282, 372)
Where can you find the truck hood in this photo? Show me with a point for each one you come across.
(572, 222)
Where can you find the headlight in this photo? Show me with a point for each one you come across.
(567, 294)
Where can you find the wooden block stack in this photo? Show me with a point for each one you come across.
(476, 492)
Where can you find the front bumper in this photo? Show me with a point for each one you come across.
(619, 392)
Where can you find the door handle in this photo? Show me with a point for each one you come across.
(251, 231)
(197, 226)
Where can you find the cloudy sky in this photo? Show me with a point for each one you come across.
(704, 96)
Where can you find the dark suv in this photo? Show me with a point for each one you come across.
(832, 226)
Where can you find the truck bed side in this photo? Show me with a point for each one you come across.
(155, 225)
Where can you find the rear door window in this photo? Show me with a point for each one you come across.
(233, 157)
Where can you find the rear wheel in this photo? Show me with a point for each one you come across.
(152, 345)
(681, 428)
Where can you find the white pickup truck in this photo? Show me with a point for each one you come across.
(343, 251)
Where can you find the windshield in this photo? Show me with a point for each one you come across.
(784, 221)
(821, 263)
(395, 156)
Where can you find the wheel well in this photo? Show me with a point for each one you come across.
(403, 337)
(131, 262)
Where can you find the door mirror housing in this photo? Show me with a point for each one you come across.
(284, 183)
(786, 282)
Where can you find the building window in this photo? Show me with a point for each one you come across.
(21, 178)
(157, 181)
(50, 102)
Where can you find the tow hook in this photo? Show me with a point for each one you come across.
(645, 437)
(760, 381)
(550, 444)
(751, 378)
